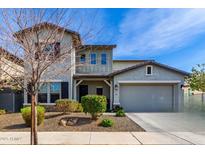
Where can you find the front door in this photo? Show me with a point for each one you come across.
(83, 90)
(99, 91)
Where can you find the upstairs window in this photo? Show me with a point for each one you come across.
(92, 58)
(43, 49)
(149, 70)
(52, 48)
(103, 59)
(82, 58)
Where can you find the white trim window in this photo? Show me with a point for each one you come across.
(93, 57)
(52, 49)
(49, 92)
(103, 58)
(82, 58)
(149, 70)
(55, 91)
(42, 93)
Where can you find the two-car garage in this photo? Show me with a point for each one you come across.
(157, 89)
(146, 97)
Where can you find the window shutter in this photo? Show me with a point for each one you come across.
(64, 89)
(28, 95)
(57, 48)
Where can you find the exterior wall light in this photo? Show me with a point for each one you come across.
(116, 87)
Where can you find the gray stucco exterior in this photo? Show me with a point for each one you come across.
(101, 75)
(52, 73)
(98, 68)
(160, 74)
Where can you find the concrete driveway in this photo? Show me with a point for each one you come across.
(187, 126)
(170, 122)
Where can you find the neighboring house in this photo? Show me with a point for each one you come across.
(136, 85)
(188, 91)
(10, 100)
(10, 63)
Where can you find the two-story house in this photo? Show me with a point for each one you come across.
(136, 85)
(10, 67)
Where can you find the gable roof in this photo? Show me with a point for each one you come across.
(47, 24)
(149, 63)
(11, 57)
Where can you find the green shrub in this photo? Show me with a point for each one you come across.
(94, 104)
(107, 123)
(26, 114)
(117, 108)
(68, 105)
(120, 113)
(2, 111)
(79, 108)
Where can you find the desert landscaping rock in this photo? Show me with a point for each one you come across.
(72, 121)
(14, 122)
(68, 121)
(63, 122)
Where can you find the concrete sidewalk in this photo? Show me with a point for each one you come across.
(104, 138)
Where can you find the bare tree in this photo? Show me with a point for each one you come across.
(44, 45)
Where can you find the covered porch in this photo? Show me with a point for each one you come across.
(97, 85)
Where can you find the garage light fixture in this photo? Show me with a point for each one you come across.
(116, 86)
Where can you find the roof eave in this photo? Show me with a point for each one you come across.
(12, 57)
(18, 33)
(149, 63)
(90, 76)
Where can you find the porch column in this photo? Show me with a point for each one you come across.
(111, 90)
(111, 94)
(75, 88)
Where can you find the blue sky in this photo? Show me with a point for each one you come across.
(175, 37)
(172, 36)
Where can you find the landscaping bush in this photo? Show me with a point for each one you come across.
(107, 123)
(2, 111)
(117, 108)
(68, 105)
(94, 104)
(26, 114)
(120, 113)
(79, 108)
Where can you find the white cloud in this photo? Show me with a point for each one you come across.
(151, 32)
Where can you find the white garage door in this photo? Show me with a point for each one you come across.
(144, 98)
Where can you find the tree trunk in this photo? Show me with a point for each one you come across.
(34, 137)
